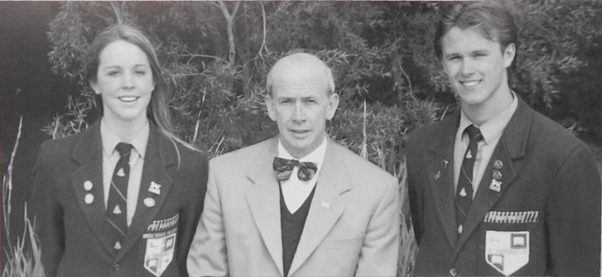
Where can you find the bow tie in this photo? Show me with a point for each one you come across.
(284, 169)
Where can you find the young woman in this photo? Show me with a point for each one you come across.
(122, 198)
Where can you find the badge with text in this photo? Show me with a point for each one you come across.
(160, 244)
(507, 252)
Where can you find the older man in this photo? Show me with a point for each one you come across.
(497, 188)
(297, 204)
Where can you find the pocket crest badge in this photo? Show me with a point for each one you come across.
(507, 252)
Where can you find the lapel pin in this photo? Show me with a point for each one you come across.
(444, 164)
(149, 202)
(437, 175)
(88, 185)
(89, 198)
(120, 173)
(497, 175)
(325, 205)
(460, 229)
(495, 185)
(497, 164)
(155, 188)
(117, 246)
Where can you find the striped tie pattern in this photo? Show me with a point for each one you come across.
(464, 191)
(117, 203)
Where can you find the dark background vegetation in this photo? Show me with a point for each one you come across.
(217, 54)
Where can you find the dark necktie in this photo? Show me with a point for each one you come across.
(284, 169)
(464, 190)
(117, 203)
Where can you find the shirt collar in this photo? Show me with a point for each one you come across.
(494, 127)
(110, 139)
(316, 156)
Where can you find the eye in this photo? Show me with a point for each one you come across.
(140, 72)
(113, 73)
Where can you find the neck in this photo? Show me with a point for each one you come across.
(126, 131)
(482, 113)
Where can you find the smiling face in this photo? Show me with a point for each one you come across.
(300, 103)
(476, 68)
(125, 82)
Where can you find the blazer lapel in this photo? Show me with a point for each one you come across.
(512, 145)
(441, 176)
(160, 154)
(326, 206)
(264, 201)
(88, 152)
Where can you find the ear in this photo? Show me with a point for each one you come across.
(333, 104)
(269, 104)
(94, 85)
(509, 54)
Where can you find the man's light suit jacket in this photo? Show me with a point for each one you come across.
(352, 227)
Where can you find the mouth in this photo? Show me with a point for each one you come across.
(470, 84)
(128, 98)
(299, 132)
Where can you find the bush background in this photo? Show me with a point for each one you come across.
(217, 54)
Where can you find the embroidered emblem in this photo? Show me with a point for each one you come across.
(117, 210)
(120, 173)
(89, 198)
(155, 188)
(469, 154)
(463, 192)
(88, 185)
(507, 252)
(495, 185)
(160, 244)
(511, 217)
(117, 246)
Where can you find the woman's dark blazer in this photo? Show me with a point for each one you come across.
(74, 233)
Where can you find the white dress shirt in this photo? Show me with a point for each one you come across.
(492, 131)
(295, 191)
(110, 157)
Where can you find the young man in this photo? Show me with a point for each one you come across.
(297, 204)
(497, 188)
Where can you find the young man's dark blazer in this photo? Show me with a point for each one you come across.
(74, 234)
(544, 169)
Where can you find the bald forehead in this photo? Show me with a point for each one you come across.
(300, 70)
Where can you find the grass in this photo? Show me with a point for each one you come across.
(24, 257)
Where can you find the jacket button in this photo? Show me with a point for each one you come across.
(115, 267)
(453, 271)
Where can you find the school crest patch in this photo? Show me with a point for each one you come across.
(507, 252)
(160, 244)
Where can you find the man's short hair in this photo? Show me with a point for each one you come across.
(491, 19)
(296, 59)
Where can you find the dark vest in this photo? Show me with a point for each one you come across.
(292, 228)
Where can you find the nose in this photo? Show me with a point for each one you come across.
(128, 81)
(467, 67)
(298, 115)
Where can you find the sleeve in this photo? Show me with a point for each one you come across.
(208, 254)
(573, 217)
(48, 213)
(380, 251)
(192, 212)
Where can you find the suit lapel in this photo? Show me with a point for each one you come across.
(441, 176)
(264, 201)
(88, 153)
(512, 146)
(326, 206)
(160, 154)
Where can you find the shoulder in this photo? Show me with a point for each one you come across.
(64, 147)
(362, 171)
